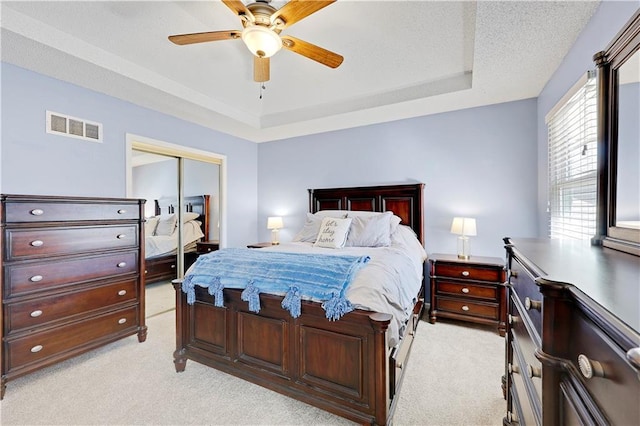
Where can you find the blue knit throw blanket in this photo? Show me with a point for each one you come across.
(321, 278)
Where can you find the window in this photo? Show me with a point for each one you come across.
(572, 135)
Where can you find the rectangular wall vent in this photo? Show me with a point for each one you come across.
(62, 124)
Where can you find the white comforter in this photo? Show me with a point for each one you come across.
(390, 281)
(158, 245)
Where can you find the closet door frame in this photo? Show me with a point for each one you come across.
(154, 146)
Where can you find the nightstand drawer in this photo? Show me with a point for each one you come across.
(467, 290)
(469, 272)
(468, 308)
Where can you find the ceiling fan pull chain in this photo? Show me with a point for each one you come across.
(262, 87)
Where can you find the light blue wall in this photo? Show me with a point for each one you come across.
(34, 162)
(478, 162)
(608, 19)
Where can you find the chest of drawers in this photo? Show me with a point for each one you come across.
(469, 290)
(71, 278)
(573, 347)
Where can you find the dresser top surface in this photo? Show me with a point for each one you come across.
(608, 277)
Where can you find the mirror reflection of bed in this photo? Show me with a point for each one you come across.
(161, 247)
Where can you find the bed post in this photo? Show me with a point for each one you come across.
(179, 355)
(380, 323)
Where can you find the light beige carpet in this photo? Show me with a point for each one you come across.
(453, 378)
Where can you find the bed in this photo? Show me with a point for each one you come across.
(161, 237)
(351, 367)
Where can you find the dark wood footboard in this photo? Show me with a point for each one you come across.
(344, 367)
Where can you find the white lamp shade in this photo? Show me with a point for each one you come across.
(463, 226)
(274, 222)
(261, 41)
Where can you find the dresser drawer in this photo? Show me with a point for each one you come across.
(525, 413)
(48, 211)
(33, 313)
(468, 308)
(618, 392)
(468, 272)
(524, 355)
(44, 242)
(528, 293)
(26, 278)
(68, 340)
(467, 290)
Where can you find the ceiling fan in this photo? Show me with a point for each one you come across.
(262, 25)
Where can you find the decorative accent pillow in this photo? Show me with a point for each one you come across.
(166, 224)
(370, 231)
(333, 232)
(150, 226)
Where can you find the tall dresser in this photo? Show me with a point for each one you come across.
(573, 334)
(71, 277)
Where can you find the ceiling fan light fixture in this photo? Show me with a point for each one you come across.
(261, 41)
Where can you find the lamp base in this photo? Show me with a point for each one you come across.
(274, 237)
(464, 246)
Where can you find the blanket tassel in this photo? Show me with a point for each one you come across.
(215, 289)
(292, 301)
(336, 307)
(251, 294)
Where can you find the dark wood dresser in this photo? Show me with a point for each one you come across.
(573, 342)
(71, 278)
(472, 290)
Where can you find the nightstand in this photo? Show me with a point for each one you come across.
(472, 290)
(259, 245)
(204, 247)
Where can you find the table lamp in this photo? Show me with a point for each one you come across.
(274, 223)
(464, 227)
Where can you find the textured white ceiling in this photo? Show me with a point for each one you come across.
(402, 58)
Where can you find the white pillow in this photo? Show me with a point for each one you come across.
(393, 222)
(333, 232)
(187, 216)
(310, 229)
(370, 231)
(331, 213)
(150, 226)
(166, 224)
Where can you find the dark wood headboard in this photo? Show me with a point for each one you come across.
(405, 201)
(196, 204)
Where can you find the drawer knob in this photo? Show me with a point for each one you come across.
(514, 369)
(122, 264)
(36, 313)
(122, 320)
(465, 273)
(513, 319)
(173, 266)
(589, 368)
(122, 211)
(35, 278)
(512, 417)
(532, 304)
(465, 308)
(514, 274)
(465, 290)
(122, 292)
(121, 236)
(36, 243)
(633, 356)
(37, 212)
(36, 348)
(533, 371)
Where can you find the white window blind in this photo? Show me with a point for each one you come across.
(573, 162)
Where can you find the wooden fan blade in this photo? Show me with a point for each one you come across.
(183, 39)
(296, 10)
(239, 9)
(261, 69)
(311, 51)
